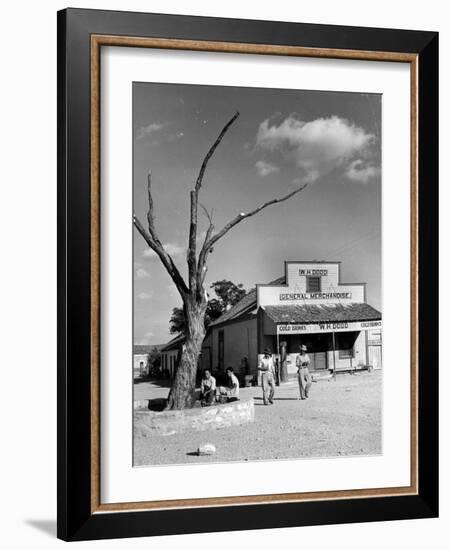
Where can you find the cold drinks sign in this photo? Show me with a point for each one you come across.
(328, 327)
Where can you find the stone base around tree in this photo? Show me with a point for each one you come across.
(214, 417)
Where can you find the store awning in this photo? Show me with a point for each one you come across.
(323, 313)
(296, 319)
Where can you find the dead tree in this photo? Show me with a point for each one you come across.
(193, 292)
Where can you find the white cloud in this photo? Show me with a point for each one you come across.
(316, 147)
(152, 132)
(265, 168)
(171, 248)
(358, 170)
(144, 296)
(141, 273)
(150, 129)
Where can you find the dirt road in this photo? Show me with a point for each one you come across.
(340, 418)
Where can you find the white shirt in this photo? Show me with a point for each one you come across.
(302, 360)
(233, 386)
(266, 365)
(208, 384)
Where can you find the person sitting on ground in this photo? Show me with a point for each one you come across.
(207, 389)
(229, 393)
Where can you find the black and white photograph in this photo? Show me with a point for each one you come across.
(222, 256)
(257, 295)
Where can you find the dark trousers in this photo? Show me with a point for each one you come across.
(207, 398)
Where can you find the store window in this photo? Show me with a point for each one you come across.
(346, 353)
(313, 284)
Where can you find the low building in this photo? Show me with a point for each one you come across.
(309, 306)
(169, 355)
(140, 360)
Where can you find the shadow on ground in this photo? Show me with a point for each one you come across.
(277, 399)
(46, 526)
(158, 404)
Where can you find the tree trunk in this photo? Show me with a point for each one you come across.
(182, 393)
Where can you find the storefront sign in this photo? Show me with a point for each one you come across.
(300, 288)
(315, 296)
(344, 326)
(313, 272)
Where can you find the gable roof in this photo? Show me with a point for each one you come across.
(245, 305)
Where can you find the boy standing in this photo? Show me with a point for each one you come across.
(267, 369)
(304, 378)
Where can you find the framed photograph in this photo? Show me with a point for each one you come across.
(248, 295)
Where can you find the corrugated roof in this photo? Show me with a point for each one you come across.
(247, 303)
(322, 313)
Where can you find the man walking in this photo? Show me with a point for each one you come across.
(304, 378)
(267, 369)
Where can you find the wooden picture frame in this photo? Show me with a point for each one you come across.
(81, 35)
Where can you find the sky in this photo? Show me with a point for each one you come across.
(282, 139)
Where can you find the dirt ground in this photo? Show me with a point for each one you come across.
(341, 417)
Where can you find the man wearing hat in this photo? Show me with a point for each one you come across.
(267, 369)
(304, 378)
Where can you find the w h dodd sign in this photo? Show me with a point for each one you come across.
(311, 283)
(343, 326)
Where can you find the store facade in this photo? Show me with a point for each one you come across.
(308, 306)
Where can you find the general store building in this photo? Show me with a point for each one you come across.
(309, 305)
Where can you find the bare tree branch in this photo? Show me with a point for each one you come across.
(150, 215)
(152, 239)
(197, 269)
(240, 217)
(165, 258)
(209, 215)
(210, 153)
(192, 250)
(201, 265)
